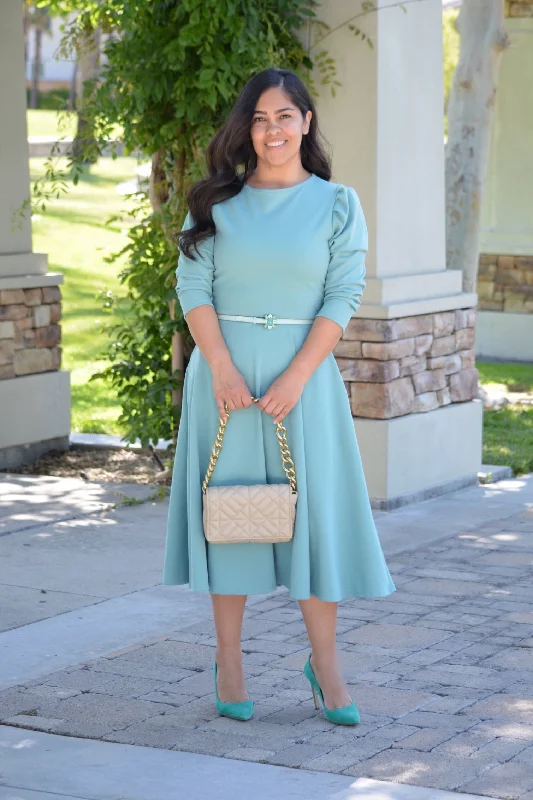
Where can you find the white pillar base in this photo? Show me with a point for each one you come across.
(417, 456)
(34, 408)
(406, 288)
(19, 265)
(31, 281)
(502, 334)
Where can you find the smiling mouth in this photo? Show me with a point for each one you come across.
(272, 145)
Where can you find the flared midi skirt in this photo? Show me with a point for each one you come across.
(335, 552)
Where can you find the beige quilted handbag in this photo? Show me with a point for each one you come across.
(255, 513)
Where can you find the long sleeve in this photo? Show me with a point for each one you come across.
(345, 278)
(194, 278)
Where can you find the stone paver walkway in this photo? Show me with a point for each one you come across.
(442, 671)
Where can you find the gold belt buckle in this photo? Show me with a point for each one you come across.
(270, 321)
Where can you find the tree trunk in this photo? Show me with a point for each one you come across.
(158, 194)
(72, 98)
(470, 112)
(26, 30)
(36, 68)
(88, 67)
(178, 364)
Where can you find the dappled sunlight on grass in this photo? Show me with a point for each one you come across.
(508, 431)
(515, 377)
(508, 437)
(47, 122)
(92, 416)
(74, 234)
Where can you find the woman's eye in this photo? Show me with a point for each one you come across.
(261, 119)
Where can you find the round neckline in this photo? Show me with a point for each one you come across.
(279, 188)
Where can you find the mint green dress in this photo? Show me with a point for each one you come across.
(294, 252)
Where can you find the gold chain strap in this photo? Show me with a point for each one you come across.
(281, 433)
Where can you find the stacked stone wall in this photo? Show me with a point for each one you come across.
(408, 365)
(518, 8)
(29, 331)
(505, 283)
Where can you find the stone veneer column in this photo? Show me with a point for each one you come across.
(393, 367)
(505, 281)
(34, 391)
(407, 357)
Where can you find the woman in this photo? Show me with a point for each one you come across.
(275, 238)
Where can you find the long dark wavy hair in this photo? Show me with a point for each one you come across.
(232, 147)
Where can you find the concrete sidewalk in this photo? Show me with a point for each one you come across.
(93, 646)
(125, 772)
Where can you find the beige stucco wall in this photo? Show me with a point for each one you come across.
(504, 335)
(505, 325)
(507, 213)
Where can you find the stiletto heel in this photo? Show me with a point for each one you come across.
(242, 710)
(347, 715)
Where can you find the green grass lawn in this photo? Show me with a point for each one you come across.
(47, 123)
(43, 122)
(74, 234)
(508, 431)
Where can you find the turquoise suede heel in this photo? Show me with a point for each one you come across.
(243, 710)
(347, 715)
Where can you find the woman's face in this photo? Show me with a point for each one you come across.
(277, 128)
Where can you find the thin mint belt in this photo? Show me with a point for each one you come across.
(268, 320)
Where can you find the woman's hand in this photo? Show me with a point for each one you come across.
(283, 394)
(229, 386)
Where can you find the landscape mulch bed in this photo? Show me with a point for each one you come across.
(117, 466)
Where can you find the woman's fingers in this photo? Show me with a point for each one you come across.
(272, 405)
(275, 406)
(282, 413)
(234, 402)
(247, 398)
(276, 409)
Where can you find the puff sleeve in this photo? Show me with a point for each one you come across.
(345, 277)
(194, 277)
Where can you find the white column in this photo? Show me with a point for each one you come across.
(385, 126)
(16, 257)
(35, 407)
